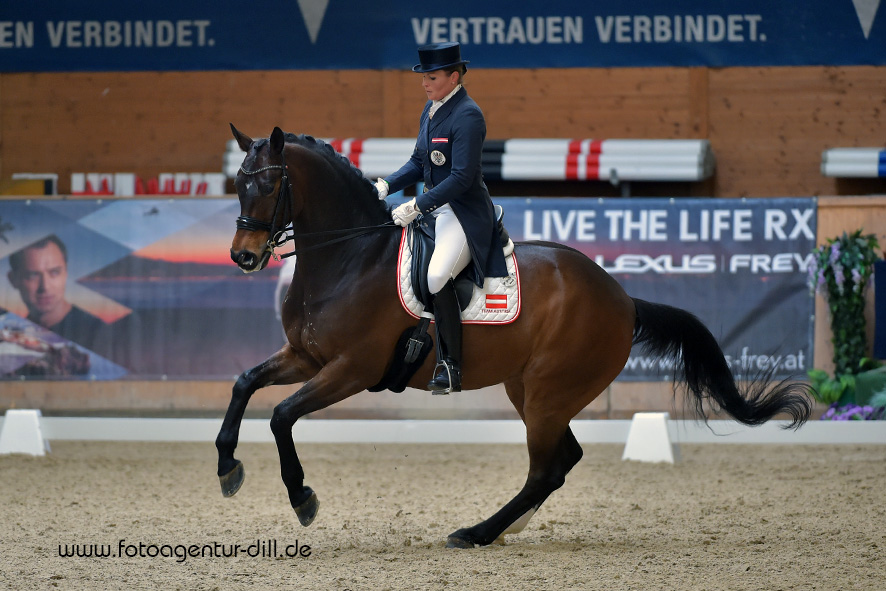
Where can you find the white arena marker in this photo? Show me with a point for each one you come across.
(648, 439)
(22, 433)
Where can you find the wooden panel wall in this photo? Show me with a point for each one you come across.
(768, 126)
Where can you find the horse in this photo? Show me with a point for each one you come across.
(342, 318)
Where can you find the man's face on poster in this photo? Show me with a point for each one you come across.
(41, 282)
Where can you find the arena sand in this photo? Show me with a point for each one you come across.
(727, 517)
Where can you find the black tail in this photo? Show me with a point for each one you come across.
(673, 333)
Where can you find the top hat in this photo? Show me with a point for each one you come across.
(437, 56)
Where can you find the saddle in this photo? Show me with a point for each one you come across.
(421, 237)
(415, 343)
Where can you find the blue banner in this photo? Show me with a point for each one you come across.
(739, 265)
(131, 288)
(102, 35)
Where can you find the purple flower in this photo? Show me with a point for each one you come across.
(839, 278)
(812, 270)
(857, 279)
(835, 252)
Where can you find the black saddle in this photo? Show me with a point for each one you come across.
(420, 235)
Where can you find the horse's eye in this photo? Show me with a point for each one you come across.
(267, 188)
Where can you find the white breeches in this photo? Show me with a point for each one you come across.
(451, 252)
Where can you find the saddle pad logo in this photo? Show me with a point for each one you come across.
(438, 158)
(497, 303)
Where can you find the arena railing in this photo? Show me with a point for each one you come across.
(618, 161)
(854, 162)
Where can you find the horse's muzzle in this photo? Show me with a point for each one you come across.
(248, 261)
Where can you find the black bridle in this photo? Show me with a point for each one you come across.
(277, 234)
(281, 234)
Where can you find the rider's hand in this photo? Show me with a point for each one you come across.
(404, 214)
(381, 185)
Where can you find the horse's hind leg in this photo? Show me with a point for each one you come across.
(553, 451)
(278, 369)
(570, 451)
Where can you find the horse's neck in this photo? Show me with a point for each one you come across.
(333, 270)
(329, 212)
(326, 202)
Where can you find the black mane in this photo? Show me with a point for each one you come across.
(339, 162)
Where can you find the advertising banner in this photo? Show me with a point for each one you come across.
(739, 265)
(145, 289)
(152, 285)
(101, 35)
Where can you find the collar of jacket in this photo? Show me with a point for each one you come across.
(444, 111)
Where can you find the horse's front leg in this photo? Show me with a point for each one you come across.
(331, 385)
(280, 368)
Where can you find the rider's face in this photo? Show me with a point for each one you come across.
(438, 84)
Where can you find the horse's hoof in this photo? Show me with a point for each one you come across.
(307, 510)
(461, 539)
(454, 541)
(233, 480)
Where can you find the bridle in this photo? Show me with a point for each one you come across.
(280, 235)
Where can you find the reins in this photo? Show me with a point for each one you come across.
(353, 233)
(279, 237)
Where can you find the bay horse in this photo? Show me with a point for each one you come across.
(342, 317)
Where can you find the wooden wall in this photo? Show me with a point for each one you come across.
(767, 126)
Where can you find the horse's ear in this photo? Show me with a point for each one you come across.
(243, 140)
(277, 141)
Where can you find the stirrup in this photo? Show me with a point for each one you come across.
(437, 388)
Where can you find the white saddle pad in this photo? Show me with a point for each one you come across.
(497, 303)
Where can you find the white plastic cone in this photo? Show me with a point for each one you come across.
(22, 433)
(649, 440)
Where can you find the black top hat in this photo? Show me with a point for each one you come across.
(437, 56)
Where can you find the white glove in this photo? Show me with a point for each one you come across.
(381, 186)
(404, 214)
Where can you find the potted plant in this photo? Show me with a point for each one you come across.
(841, 270)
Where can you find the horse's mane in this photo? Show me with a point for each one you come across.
(341, 163)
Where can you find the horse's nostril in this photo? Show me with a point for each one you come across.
(244, 259)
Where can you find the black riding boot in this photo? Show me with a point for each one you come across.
(447, 316)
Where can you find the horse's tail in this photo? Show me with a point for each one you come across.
(666, 331)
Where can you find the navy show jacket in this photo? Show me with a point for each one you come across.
(447, 157)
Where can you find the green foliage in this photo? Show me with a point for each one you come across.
(840, 270)
(827, 389)
(878, 400)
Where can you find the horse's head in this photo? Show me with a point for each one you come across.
(264, 190)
